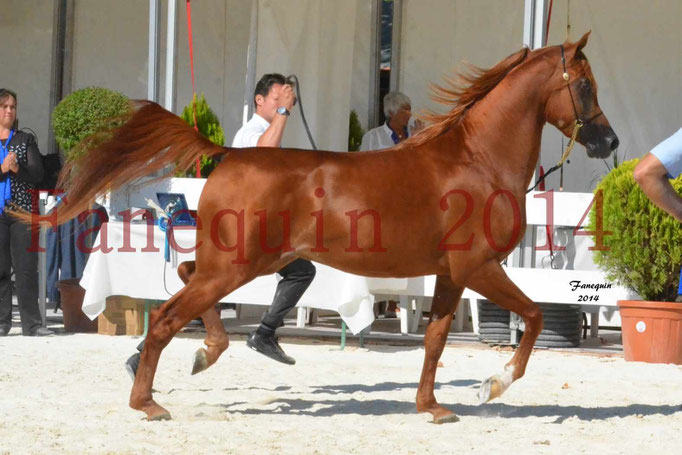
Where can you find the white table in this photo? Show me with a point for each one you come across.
(141, 274)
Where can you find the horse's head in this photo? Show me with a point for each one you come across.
(574, 99)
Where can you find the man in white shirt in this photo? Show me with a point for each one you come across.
(273, 99)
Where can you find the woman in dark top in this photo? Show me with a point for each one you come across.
(22, 169)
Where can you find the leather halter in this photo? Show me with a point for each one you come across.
(578, 119)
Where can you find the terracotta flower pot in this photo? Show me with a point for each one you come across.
(72, 295)
(652, 331)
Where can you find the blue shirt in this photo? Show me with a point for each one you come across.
(669, 152)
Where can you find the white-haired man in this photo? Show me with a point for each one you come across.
(398, 111)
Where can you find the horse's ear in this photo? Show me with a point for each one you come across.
(574, 49)
(582, 42)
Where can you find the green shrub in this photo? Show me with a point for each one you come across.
(86, 112)
(645, 249)
(209, 126)
(355, 132)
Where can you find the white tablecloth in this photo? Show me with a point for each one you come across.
(141, 274)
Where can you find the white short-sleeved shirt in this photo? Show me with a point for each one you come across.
(248, 135)
(381, 137)
(669, 152)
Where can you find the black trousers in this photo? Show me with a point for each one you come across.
(15, 239)
(296, 277)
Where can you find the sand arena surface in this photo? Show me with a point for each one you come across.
(69, 394)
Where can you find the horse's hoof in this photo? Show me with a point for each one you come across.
(440, 414)
(200, 361)
(163, 416)
(490, 389)
(449, 418)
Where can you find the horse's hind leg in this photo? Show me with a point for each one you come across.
(198, 296)
(445, 299)
(492, 282)
(216, 340)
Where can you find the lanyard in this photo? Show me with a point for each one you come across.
(6, 146)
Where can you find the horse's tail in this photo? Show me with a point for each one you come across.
(151, 139)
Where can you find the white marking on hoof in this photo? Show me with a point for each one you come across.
(496, 385)
(508, 376)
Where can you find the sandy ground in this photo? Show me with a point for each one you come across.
(69, 394)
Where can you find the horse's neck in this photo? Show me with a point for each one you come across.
(507, 125)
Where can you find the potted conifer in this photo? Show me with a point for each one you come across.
(643, 251)
(209, 126)
(355, 132)
(87, 113)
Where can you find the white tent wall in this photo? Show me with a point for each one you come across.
(305, 37)
(308, 38)
(26, 55)
(312, 39)
(362, 61)
(110, 46)
(220, 35)
(438, 35)
(635, 51)
(110, 50)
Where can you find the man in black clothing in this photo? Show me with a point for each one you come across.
(296, 277)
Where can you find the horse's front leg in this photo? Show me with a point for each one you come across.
(492, 282)
(445, 299)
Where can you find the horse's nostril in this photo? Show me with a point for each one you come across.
(614, 143)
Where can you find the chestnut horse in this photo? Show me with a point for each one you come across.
(452, 204)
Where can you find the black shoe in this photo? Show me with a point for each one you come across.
(4, 331)
(268, 346)
(131, 365)
(41, 332)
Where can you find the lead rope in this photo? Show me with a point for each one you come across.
(569, 148)
(300, 106)
(197, 163)
(571, 142)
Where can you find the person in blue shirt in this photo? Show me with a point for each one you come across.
(653, 172)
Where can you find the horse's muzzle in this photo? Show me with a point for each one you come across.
(599, 140)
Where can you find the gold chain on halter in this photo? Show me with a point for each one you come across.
(571, 143)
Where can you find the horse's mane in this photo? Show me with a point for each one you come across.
(462, 91)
